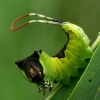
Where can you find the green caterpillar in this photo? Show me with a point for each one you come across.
(44, 70)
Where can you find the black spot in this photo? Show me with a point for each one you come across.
(90, 80)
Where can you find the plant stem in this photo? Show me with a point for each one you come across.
(54, 92)
(95, 44)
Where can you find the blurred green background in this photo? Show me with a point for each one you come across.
(20, 44)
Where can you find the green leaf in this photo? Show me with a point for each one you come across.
(88, 87)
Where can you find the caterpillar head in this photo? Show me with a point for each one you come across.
(32, 70)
